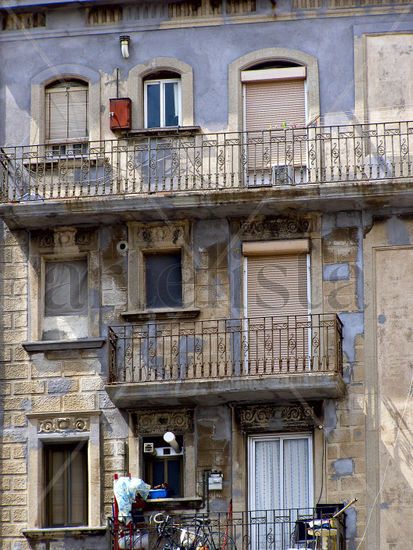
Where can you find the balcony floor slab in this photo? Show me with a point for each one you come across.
(382, 195)
(309, 386)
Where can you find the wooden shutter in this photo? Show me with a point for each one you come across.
(277, 327)
(66, 112)
(272, 109)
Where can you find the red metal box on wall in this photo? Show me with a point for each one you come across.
(120, 114)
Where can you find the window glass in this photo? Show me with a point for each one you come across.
(163, 280)
(153, 105)
(171, 104)
(66, 288)
(162, 103)
(66, 484)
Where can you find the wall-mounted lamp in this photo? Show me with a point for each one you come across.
(124, 46)
(170, 438)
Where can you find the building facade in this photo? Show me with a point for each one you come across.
(207, 227)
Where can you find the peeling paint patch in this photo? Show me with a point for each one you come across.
(348, 219)
(330, 416)
(59, 385)
(353, 325)
(351, 527)
(397, 232)
(343, 467)
(336, 272)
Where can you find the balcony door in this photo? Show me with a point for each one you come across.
(277, 324)
(280, 486)
(274, 118)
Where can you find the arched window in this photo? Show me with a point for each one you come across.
(162, 100)
(66, 111)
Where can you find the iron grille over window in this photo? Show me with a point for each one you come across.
(66, 484)
(66, 111)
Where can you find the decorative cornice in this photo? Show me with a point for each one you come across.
(288, 418)
(62, 424)
(156, 422)
(274, 227)
(173, 233)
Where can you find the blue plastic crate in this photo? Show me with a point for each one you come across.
(159, 493)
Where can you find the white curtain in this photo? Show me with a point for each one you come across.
(296, 473)
(267, 475)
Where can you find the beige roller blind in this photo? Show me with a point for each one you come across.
(277, 327)
(277, 285)
(66, 112)
(273, 108)
(270, 104)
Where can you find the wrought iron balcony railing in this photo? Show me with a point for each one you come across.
(225, 349)
(293, 528)
(207, 162)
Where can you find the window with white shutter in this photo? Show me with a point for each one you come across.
(66, 111)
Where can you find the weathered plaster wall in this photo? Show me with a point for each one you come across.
(344, 421)
(388, 264)
(197, 47)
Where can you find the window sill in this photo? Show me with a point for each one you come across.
(62, 345)
(164, 131)
(161, 313)
(55, 533)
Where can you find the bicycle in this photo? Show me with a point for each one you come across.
(193, 534)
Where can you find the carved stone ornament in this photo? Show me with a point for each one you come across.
(167, 232)
(274, 227)
(253, 418)
(45, 239)
(156, 422)
(65, 238)
(64, 424)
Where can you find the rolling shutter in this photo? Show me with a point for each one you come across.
(277, 285)
(278, 106)
(277, 327)
(270, 104)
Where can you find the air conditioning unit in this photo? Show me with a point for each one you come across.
(148, 448)
(282, 175)
(167, 451)
(67, 150)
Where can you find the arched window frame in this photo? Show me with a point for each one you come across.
(235, 106)
(58, 73)
(140, 73)
(59, 96)
(152, 80)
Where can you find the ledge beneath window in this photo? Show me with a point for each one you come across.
(161, 313)
(62, 345)
(174, 503)
(56, 533)
(167, 131)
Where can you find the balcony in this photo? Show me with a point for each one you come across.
(292, 528)
(73, 182)
(219, 361)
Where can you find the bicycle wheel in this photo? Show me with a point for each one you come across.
(222, 541)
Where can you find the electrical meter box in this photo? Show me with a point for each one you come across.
(120, 113)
